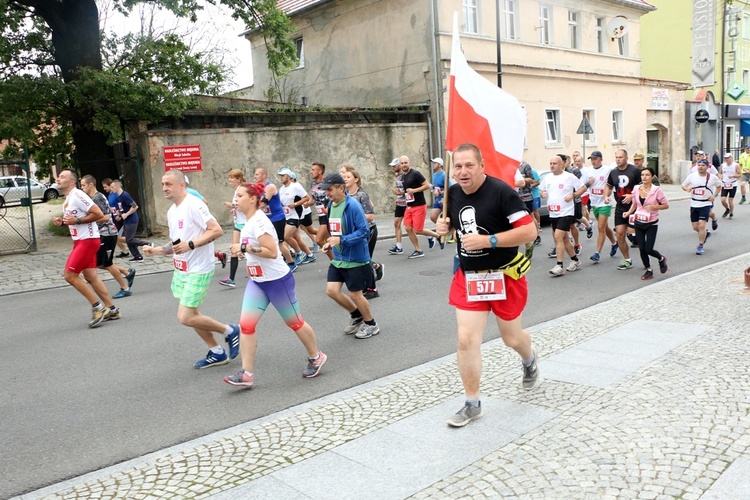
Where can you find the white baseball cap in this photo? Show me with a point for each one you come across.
(285, 171)
(437, 160)
(394, 162)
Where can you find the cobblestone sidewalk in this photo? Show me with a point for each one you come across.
(676, 425)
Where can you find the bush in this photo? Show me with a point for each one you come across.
(57, 230)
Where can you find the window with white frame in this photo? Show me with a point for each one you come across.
(746, 25)
(590, 115)
(545, 24)
(617, 126)
(552, 126)
(510, 18)
(300, 52)
(600, 40)
(622, 45)
(573, 31)
(471, 20)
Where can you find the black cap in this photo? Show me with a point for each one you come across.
(331, 180)
(596, 154)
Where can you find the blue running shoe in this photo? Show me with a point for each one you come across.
(130, 277)
(315, 248)
(233, 339)
(308, 259)
(431, 242)
(122, 293)
(299, 257)
(212, 359)
(699, 251)
(293, 266)
(613, 250)
(595, 257)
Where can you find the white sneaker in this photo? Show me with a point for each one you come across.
(557, 270)
(574, 264)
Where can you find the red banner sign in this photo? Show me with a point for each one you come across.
(186, 158)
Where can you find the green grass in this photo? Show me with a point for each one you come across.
(58, 201)
(57, 230)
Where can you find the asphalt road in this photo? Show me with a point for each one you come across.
(74, 400)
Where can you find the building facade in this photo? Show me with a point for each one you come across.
(557, 58)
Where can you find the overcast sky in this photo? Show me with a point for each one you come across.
(215, 30)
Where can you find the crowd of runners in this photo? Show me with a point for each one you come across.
(274, 233)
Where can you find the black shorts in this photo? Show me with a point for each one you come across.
(279, 226)
(355, 278)
(562, 223)
(529, 205)
(620, 220)
(578, 207)
(699, 213)
(731, 193)
(306, 220)
(322, 220)
(292, 222)
(106, 250)
(400, 211)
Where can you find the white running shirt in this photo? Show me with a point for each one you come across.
(187, 222)
(78, 204)
(727, 170)
(286, 196)
(703, 188)
(596, 189)
(262, 268)
(557, 188)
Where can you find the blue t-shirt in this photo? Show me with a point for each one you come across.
(535, 190)
(112, 200)
(124, 202)
(438, 180)
(195, 193)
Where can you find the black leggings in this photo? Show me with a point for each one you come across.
(646, 237)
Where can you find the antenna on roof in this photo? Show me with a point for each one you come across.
(618, 27)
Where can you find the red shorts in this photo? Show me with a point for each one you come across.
(83, 255)
(585, 199)
(415, 216)
(516, 292)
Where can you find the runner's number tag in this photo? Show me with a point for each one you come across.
(728, 186)
(334, 225)
(485, 287)
(321, 209)
(597, 191)
(180, 265)
(642, 217)
(699, 191)
(553, 208)
(255, 271)
(409, 197)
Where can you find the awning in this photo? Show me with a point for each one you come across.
(745, 128)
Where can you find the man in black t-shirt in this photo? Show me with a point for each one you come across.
(416, 208)
(491, 222)
(622, 180)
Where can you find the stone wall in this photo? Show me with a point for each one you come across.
(369, 148)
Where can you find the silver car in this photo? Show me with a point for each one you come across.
(15, 187)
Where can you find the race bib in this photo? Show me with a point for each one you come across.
(334, 226)
(485, 287)
(699, 191)
(642, 217)
(267, 210)
(180, 265)
(255, 271)
(598, 191)
(287, 210)
(320, 209)
(554, 208)
(408, 197)
(73, 230)
(728, 186)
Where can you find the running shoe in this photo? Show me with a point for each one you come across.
(595, 257)
(112, 314)
(416, 254)
(130, 277)
(97, 316)
(714, 224)
(663, 264)
(299, 257)
(465, 415)
(649, 274)
(227, 282)
(743, 200)
(431, 242)
(366, 331)
(314, 365)
(222, 258)
(292, 267)
(578, 249)
(137, 259)
(557, 270)
(379, 271)
(538, 241)
(625, 264)
(441, 242)
(531, 378)
(552, 254)
(354, 325)
(122, 293)
(731, 215)
(725, 214)
(308, 259)
(633, 241)
(699, 250)
(589, 231)
(240, 379)
(122, 255)
(233, 340)
(613, 250)
(212, 359)
(371, 293)
(315, 248)
(708, 235)
(574, 264)
(450, 239)
(395, 250)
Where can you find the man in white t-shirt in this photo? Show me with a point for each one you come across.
(730, 179)
(595, 178)
(192, 231)
(560, 189)
(702, 187)
(701, 155)
(293, 198)
(80, 214)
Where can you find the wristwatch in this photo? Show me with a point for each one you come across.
(191, 245)
(493, 241)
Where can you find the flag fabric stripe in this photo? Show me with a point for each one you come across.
(484, 115)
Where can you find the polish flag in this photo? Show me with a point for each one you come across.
(484, 115)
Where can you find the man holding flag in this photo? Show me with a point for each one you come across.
(486, 129)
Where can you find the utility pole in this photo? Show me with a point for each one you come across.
(497, 26)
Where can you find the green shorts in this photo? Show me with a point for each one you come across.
(190, 288)
(603, 210)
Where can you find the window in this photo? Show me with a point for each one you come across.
(510, 17)
(622, 45)
(470, 16)
(600, 46)
(573, 31)
(617, 133)
(552, 128)
(300, 52)
(746, 25)
(590, 114)
(545, 25)
(746, 78)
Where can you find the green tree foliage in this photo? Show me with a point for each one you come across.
(64, 83)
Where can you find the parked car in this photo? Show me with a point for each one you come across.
(15, 187)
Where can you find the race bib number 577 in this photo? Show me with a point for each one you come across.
(484, 287)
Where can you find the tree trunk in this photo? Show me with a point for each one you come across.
(75, 37)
